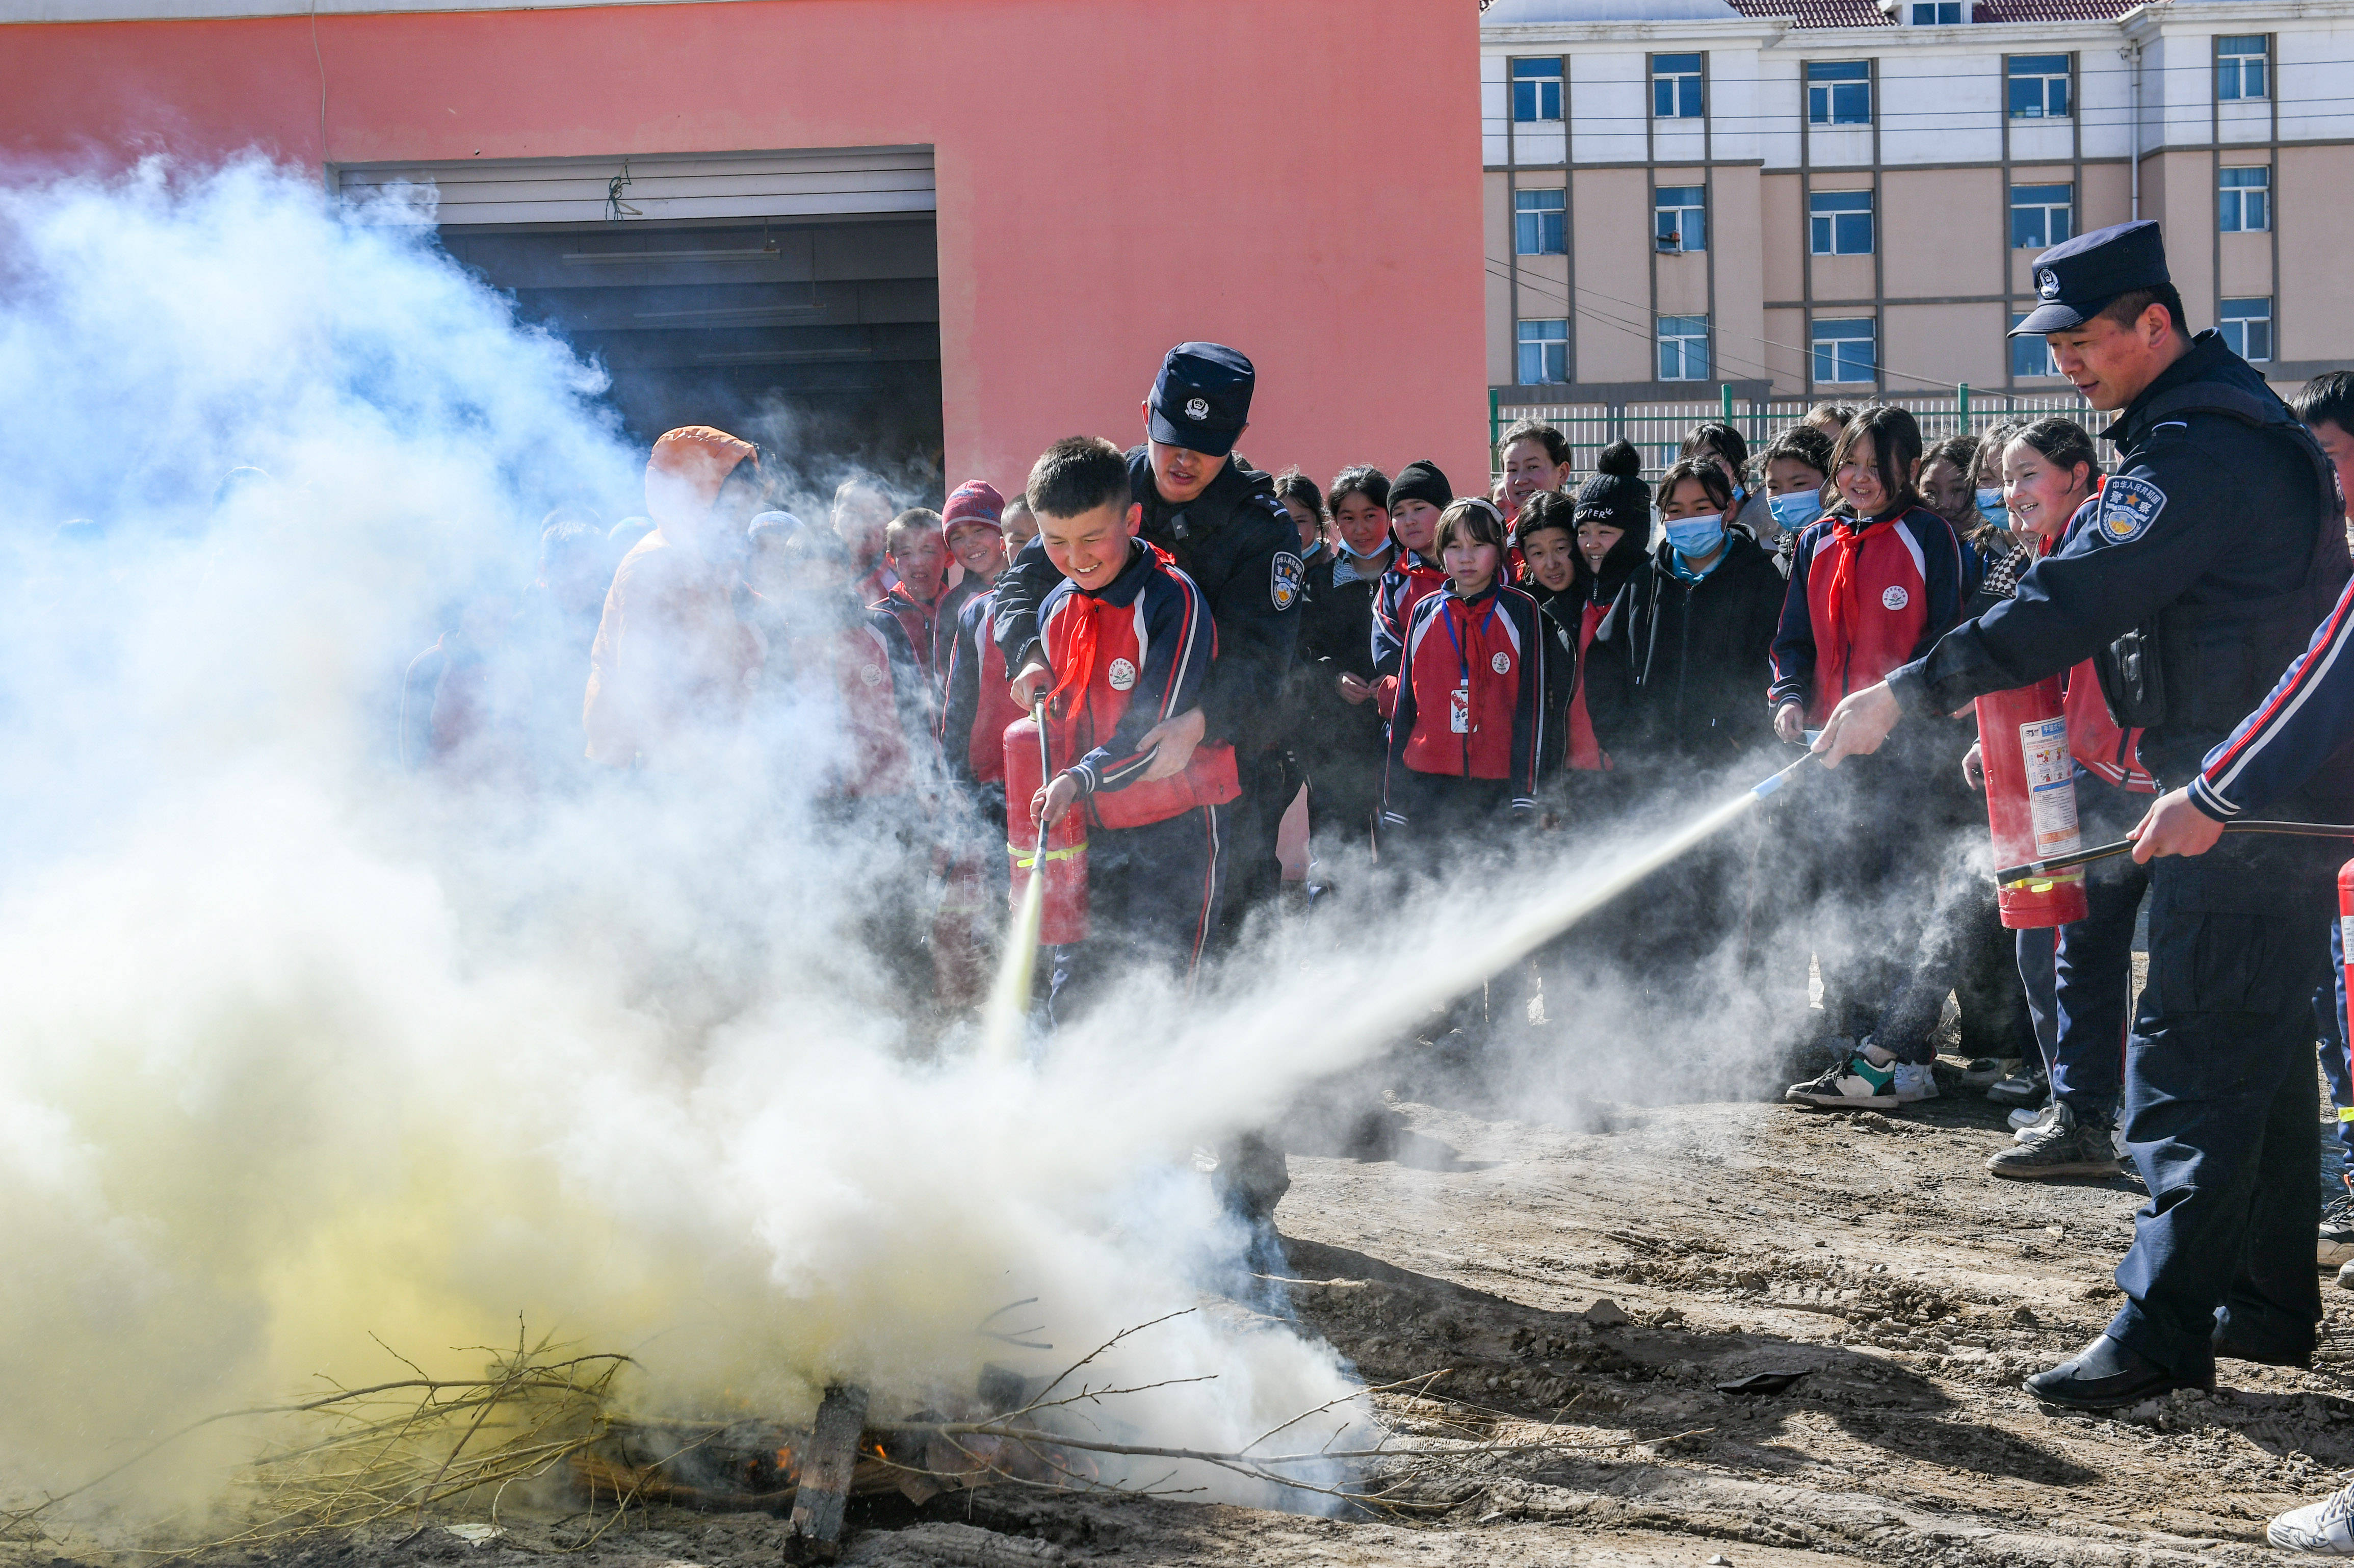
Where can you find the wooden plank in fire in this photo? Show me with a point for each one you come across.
(815, 1535)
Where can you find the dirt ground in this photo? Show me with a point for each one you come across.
(1593, 1287)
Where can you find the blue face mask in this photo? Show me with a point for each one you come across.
(1694, 537)
(1991, 508)
(1795, 509)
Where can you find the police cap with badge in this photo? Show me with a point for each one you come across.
(2076, 279)
(1202, 398)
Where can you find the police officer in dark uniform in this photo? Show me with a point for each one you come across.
(1228, 532)
(2193, 579)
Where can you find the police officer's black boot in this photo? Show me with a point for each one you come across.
(2105, 1374)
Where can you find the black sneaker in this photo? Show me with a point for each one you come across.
(2335, 1247)
(2060, 1145)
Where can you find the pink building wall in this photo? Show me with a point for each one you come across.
(1114, 175)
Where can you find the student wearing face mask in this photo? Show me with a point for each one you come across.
(1752, 511)
(1798, 469)
(1340, 737)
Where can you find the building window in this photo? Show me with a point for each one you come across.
(1545, 353)
(1675, 87)
(2030, 356)
(1844, 350)
(1839, 92)
(2042, 215)
(2247, 328)
(1680, 215)
(2039, 86)
(2243, 201)
(1536, 89)
(1937, 14)
(1839, 223)
(1537, 222)
(1683, 348)
(2240, 67)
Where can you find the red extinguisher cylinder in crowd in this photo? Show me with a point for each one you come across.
(2346, 947)
(2031, 795)
(1063, 900)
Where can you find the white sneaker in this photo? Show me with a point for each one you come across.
(2326, 1527)
(1915, 1083)
(2024, 1121)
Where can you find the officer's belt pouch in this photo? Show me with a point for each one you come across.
(2133, 678)
(1208, 780)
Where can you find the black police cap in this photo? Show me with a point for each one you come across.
(1200, 400)
(2076, 277)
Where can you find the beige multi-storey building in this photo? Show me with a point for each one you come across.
(1796, 198)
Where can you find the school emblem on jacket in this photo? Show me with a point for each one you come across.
(2128, 507)
(1501, 664)
(870, 673)
(1122, 674)
(1288, 575)
(1893, 597)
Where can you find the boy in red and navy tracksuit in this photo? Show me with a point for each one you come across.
(1129, 640)
(973, 745)
(1465, 741)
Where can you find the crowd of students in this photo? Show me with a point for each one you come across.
(1564, 653)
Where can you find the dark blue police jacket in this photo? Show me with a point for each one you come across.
(2195, 577)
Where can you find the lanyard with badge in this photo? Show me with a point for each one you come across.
(1459, 701)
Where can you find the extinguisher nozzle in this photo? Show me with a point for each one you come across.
(1779, 780)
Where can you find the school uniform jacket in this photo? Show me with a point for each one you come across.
(979, 707)
(921, 623)
(2305, 718)
(1409, 581)
(1153, 644)
(1491, 650)
(1910, 579)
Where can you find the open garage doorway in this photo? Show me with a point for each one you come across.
(792, 298)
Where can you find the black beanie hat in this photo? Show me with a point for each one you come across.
(1616, 494)
(1421, 482)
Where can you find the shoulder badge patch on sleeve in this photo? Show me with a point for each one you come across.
(1287, 576)
(2128, 507)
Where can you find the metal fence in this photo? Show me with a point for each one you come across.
(1659, 428)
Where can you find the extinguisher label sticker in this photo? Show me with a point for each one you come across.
(2051, 788)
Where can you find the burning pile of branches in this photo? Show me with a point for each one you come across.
(399, 1452)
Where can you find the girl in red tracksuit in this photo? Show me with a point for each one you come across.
(1468, 733)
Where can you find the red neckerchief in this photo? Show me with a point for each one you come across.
(1833, 642)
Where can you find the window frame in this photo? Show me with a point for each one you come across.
(1959, 7)
(1683, 104)
(1833, 89)
(1547, 348)
(1550, 223)
(2020, 345)
(2044, 207)
(1690, 346)
(2064, 78)
(2239, 342)
(1817, 340)
(1685, 244)
(1826, 226)
(2236, 63)
(1537, 81)
(2234, 202)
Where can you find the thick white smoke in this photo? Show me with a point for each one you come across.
(300, 1049)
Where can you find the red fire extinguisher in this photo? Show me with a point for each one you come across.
(2031, 801)
(1063, 899)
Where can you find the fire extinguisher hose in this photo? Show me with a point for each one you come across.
(2059, 862)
